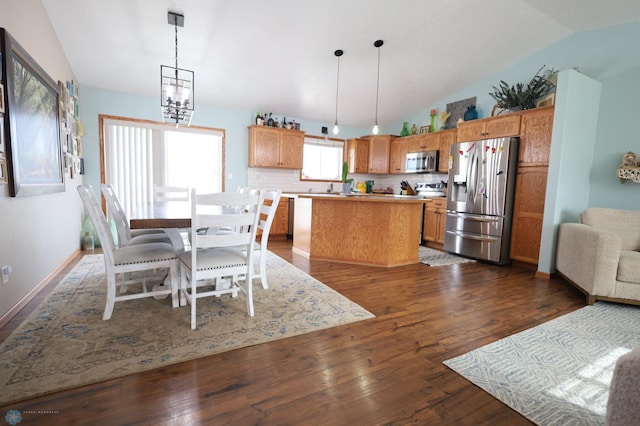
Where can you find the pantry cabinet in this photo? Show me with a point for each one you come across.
(275, 147)
(489, 128)
(531, 184)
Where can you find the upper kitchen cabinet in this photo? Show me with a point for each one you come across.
(535, 137)
(275, 147)
(445, 139)
(379, 150)
(489, 128)
(358, 155)
(398, 155)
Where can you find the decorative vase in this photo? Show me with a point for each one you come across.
(471, 113)
(405, 129)
(432, 127)
(414, 129)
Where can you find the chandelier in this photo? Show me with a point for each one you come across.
(176, 85)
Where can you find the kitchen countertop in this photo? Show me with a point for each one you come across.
(361, 196)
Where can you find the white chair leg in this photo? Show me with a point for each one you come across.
(111, 297)
(194, 300)
(173, 277)
(249, 294)
(263, 269)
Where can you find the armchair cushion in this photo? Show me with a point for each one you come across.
(624, 223)
(629, 266)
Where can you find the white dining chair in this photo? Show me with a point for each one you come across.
(170, 193)
(122, 262)
(214, 256)
(267, 213)
(128, 236)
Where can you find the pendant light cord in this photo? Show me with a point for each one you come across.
(337, 86)
(378, 44)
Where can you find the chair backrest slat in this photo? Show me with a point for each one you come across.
(99, 220)
(117, 214)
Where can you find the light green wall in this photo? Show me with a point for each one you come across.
(94, 102)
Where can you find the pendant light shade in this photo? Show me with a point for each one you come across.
(377, 44)
(176, 85)
(338, 53)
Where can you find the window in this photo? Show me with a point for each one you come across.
(322, 159)
(139, 154)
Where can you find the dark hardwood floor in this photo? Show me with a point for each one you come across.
(383, 371)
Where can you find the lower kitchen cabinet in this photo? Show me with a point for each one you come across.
(280, 224)
(435, 217)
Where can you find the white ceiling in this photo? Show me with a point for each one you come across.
(278, 55)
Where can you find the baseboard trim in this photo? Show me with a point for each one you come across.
(29, 296)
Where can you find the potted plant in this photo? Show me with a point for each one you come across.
(523, 96)
(346, 183)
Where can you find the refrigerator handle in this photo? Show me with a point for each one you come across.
(472, 173)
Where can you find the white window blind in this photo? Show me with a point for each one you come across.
(322, 159)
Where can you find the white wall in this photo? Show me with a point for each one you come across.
(38, 233)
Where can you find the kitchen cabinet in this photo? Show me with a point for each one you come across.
(379, 150)
(422, 142)
(358, 155)
(280, 224)
(445, 139)
(531, 184)
(434, 221)
(275, 147)
(489, 128)
(398, 155)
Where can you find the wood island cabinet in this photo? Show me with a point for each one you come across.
(275, 147)
(280, 224)
(435, 216)
(531, 184)
(379, 150)
(358, 155)
(489, 128)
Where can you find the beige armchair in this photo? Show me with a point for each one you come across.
(601, 255)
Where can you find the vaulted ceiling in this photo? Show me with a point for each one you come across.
(278, 55)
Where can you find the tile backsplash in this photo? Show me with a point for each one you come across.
(289, 180)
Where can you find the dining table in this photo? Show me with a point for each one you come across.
(161, 214)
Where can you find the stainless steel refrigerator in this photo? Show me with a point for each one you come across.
(480, 199)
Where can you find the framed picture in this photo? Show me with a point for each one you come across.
(32, 124)
(629, 160)
(424, 129)
(1, 98)
(3, 170)
(547, 100)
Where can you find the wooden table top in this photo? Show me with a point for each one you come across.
(164, 214)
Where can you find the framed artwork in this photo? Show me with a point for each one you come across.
(629, 160)
(547, 100)
(1, 98)
(3, 170)
(32, 124)
(424, 129)
(457, 110)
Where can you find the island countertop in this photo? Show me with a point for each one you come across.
(367, 229)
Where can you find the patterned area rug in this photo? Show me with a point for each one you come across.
(433, 257)
(64, 343)
(557, 373)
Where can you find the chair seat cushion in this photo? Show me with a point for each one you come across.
(216, 258)
(150, 238)
(629, 266)
(143, 253)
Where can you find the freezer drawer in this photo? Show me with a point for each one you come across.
(475, 224)
(477, 246)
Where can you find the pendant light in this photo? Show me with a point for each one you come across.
(377, 44)
(176, 85)
(338, 53)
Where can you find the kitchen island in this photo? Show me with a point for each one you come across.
(366, 229)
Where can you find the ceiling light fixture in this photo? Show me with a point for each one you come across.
(338, 53)
(176, 85)
(377, 44)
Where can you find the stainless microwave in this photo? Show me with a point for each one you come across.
(422, 162)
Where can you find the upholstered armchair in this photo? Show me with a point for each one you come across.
(601, 254)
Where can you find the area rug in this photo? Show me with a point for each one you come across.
(557, 373)
(433, 257)
(65, 343)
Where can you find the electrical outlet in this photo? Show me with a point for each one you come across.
(6, 271)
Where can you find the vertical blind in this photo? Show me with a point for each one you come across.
(129, 163)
